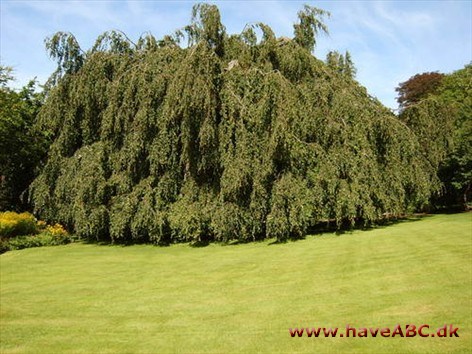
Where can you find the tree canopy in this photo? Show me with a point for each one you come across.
(232, 137)
(21, 146)
(442, 119)
(417, 88)
(343, 64)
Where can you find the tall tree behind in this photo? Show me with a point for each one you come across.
(438, 108)
(455, 94)
(418, 87)
(21, 146)
(341, 64)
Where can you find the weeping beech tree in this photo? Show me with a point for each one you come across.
(230, 137)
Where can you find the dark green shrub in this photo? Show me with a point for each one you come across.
(20, 242)
(43, 239)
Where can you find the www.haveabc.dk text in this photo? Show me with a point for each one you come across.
(410, 330)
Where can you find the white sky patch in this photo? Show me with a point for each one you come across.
(389, 41)
(402, 19)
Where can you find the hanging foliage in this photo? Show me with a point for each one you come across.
(229, 138)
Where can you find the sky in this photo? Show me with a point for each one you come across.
(389, 41)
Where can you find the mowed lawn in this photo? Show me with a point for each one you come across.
(243, 298)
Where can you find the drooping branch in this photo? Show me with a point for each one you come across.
(309, 26)
(64, 48)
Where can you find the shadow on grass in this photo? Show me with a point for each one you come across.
(109, 243)
(126, 243)
(346, 227)
(244, 242)
(452, 209)
(199, 243)
(319, 229)
(384, 223)
(331, 227)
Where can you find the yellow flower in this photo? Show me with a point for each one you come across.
(56, 230)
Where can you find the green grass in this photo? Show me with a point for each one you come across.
(242, 298)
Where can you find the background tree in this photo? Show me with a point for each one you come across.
(441, 118)
(418, 87)
(342, 64)
(21, 146)
(349, 68)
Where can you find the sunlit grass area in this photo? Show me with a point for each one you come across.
(243, 298)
